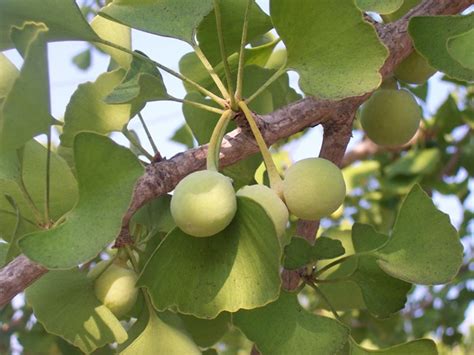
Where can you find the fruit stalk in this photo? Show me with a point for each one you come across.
(216, 139)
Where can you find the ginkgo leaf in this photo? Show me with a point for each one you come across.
(382, 7)
(215, 269)
(171, 18)
(328, 57)
(63, 18)
(461, 48)
(419, 346)
(65, 304)
(9, 75)
(283, 327)
(102, 166)
(430, 36)
(25, 111)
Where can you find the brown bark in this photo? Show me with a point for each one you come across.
(336, 116)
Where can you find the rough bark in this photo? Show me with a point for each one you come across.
(161, 177)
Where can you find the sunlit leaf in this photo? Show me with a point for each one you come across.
(65, 304)
(171, 18)
(63, 18)
(328, 70)
(382, 7)
(9, 75)
(430, 35)
(102, 166)
(216, 269)
(415, 162)
(25, 111)
(283, 327)
(419, 346)
(424, 247)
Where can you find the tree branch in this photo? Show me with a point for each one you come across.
(162, 177)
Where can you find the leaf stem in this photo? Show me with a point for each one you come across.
(325, 299)
(210, 69)
(220, 36)
(180, 76)
(243, 42)
(136, 144)
(270, 81)
(148, 134)
(14, 214)
(332, 264)
(216, 140)
(276, 182)
(29, 201)
(48, 177)
(198, 105)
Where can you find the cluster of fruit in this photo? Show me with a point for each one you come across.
(204, 203)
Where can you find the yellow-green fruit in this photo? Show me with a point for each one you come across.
(270, 202)
(313, 188)
(390, 117)
(203, 203)
(277, 59)
(415, 69)
(115, 288)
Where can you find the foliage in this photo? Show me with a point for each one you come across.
(387, 271)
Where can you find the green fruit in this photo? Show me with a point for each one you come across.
(115, 288)
(203, 203)
(277, 59)
(313, 188)
(415, 69)
(390, 117)
(271, 203)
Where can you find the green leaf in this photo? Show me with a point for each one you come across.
(424, 247)
(83, 59)
(63, 18)
(65, 304)
(382, 7)
(342, 71)
(106, 174)
(207, 332)
(383, 294)
(359, 174)
(419, 347)
(242, 173)
(159, 334)
(216, 269)
(461, 47)
(447, 117)
(87, 110)
(299, 252)
(283, 327)
(171, 18)
(430, 35)
(232, 14)
(116, 33)
(25, 111)
(415, 162)
(184, 135)
(3, 253)
(9, 75)
(142, 83)
(155, 215)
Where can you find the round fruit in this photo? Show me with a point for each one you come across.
(415, 69)
(313, 188)
(390, 117)
(270, 202)
(277, 59)
(203, 203)
(115, 288)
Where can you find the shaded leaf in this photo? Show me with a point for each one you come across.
(171, 18)
(430, 35)
(299, 252)
(65, 304)
(25, 111)
(424, 247)
(155, 215)
(3, 252)
(9, 75)
(207, 332)
(215, 269)
(415, 162)
(232, 14)
(83, 59)
(344, 70)
(283, 327)
(87, 111)
(184, 135)
(63, 18)
(461, 47)
(106, 175)
(419, 347)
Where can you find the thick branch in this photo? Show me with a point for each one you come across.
(162, 177)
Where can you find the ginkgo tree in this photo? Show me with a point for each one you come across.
(248, 252)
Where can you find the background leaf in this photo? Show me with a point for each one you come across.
(215, 269)
(101, 166)
(342, 71)
(65, 304)
(9, 75)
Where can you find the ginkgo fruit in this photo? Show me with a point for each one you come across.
(203, 203)
(390, 117)
(415, 69)
(270, 202)
(313, 188)
(115, 288)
